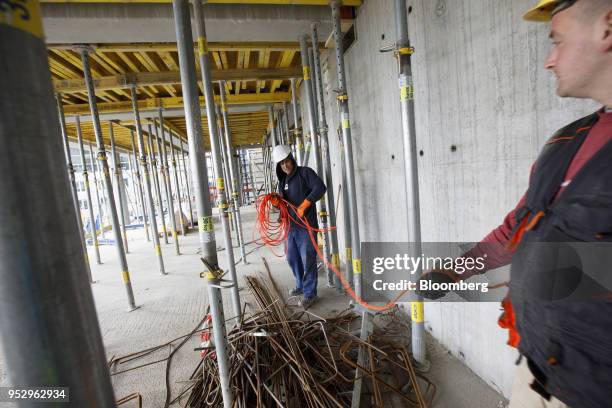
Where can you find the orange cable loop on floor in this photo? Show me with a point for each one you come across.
(274, 231)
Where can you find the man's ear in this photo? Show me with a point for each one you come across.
(605, 33)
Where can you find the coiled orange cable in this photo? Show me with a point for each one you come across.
(274, 231)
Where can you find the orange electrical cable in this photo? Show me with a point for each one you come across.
(274, 231)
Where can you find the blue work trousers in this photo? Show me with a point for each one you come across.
(302, 258)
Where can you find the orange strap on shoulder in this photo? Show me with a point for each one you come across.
(508, 321)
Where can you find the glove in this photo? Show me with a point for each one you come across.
(436, 276)
(303, 208)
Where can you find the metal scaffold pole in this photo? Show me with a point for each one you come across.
(266, 181)
(297, 130)
(321, 205)
(285, 116)
(268, 164)
(94, 172)
(279, 127)
(132, 164)
(92, 218)
(119, 183)
(145, 170)
(161, 142)
(331, 236)
(348, 250)
(216, 152)
(187, 188)
(75, 195)
(226, 176)
(273, 137)
(140, 188)
(152, 143)
(313, 85)
(103, 159)
(176, 183)
(352, 191)
(406, 91)
(234, 184)
(48, 324)
(348, 148)
(252, 178)
(197, 156)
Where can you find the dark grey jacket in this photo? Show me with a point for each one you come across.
(303, 183)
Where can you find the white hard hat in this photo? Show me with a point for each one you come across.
(280, 153)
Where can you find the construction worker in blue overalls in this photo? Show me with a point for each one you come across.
(301, 187)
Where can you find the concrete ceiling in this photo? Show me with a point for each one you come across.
(78, 23)
(253, 47)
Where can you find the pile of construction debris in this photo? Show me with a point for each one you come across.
(286, 358)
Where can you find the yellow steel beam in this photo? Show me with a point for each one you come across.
(69, 57)
(266, 63)
(176, 130)
(245, 65)
(284, 62)
(148, 62)
(239, 65)
(108, 67)
(170, 77)
(274, 2)
(225, 65)
(126, 59)
(177, 102)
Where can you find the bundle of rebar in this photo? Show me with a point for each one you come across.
(286, 358)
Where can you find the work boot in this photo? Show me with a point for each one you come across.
(295, 292)
(307, 302)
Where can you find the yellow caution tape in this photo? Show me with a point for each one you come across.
(342, 97)
(306, 72)
(202, 45)
(417, 312)
(157, 249)
(356, 266)
(126, 276)
(335, 259)
(349, 254)
(23, 15)
(86, 184)
(174, 234)
(220, 184)
(346, 124)
(205, 224)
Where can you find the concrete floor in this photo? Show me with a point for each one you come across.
(172, 305)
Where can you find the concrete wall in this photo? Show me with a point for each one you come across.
(480, 86)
